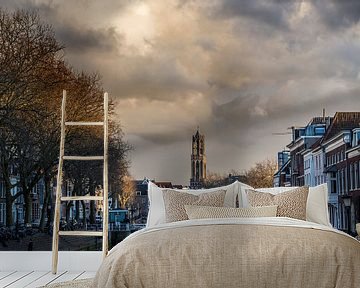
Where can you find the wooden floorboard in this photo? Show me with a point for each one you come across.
(34, 279)
(46, 279)
(4, 274)
(68, 276)
(28, 279)
(87, 275)
(13, 277)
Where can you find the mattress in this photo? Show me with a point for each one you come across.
(233, 252)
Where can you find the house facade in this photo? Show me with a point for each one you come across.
(282, 177)
(328, 150)
(301, 149)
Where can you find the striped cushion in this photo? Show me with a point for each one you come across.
(175, 201)
(201, 212)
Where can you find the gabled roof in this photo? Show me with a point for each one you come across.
(342, 121)
(320, 120)
(164, 184)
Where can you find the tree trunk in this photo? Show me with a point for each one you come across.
(77, 207)
(92, 215)
(9, 201)
(50, 215)
(28, 206)
(46, 202)
(68, 206)
(84, 212)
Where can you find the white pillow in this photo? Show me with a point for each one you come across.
(316, 206)
(156, 214)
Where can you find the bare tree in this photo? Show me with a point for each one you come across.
(32, 76)
(214, 179)
(27, 48)
(128, 190)
(29, 54)
(261, 174)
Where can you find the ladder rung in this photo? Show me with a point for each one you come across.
(80, 233)
(84, 123)
(75, 198)
(83, 158)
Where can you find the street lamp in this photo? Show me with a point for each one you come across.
(347, 203)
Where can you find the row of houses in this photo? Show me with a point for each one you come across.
(137, 210)
(327, 150)
(18, 210)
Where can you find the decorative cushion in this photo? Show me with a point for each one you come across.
(175, 202)
(290, 204)
(316, 206)
(200, 212)
(156, 213)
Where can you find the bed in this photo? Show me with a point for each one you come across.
(234, 252)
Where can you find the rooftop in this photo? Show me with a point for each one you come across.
(342, 121)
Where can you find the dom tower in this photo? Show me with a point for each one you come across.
(198, 161)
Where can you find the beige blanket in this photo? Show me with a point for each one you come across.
(233, 253)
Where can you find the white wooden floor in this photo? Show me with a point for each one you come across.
(31, 279)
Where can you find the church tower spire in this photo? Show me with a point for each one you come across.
(198, 161)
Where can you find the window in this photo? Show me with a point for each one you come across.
(351, 176)
(2, 189)
(340, 182)
(356, 138)
(2, 213)
(319, 130)
(356, 175)
(341, 216)
(333, 182)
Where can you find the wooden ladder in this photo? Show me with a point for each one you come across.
(59, 197)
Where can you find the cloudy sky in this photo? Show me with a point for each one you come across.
(241, 70)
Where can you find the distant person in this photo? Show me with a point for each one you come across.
(31, 245)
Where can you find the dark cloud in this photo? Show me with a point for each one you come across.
(157, 138)
(77, 40)
(75, 37)
(273, 13)
(338, 13)
(241, 70)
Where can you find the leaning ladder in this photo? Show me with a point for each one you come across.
(59, 197)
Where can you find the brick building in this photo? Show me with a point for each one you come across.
(327, 150)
